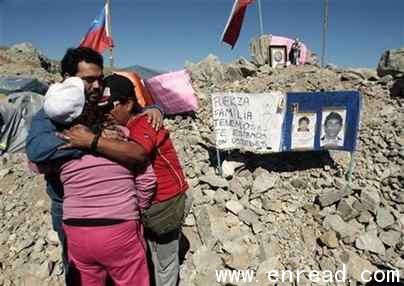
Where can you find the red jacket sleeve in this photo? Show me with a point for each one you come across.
(143, 133)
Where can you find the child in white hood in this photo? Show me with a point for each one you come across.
(64, 102)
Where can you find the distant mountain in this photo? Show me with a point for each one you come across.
(143, 72)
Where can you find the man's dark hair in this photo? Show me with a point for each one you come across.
(74, 56)
(333, 115)
(304, 118)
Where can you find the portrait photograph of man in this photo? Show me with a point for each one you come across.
(333, 128)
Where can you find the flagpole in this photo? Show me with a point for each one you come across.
(260, 22)
(111, 55)
(325, 28)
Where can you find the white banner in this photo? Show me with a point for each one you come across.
(250, 122)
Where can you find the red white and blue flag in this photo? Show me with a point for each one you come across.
(235, 21)
(98, 36)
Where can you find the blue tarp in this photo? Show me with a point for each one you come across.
(11, 84)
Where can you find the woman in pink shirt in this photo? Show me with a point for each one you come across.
(101, 206)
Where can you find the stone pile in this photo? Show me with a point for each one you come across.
(296, 211)
(287, 211)
(29, 250)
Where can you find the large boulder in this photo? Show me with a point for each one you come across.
(391, 62)
(239, 69)
(209, 69)
(247, 68)
(233, 73)
(259, 49)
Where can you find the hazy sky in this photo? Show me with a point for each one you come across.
(163, 34)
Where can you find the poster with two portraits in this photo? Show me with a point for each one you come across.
(321, 120)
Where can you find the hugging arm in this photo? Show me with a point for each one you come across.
(42, 144)
(127, 153)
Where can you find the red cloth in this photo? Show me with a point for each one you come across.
(235, 21)
(98, 41)
(170, 177)
(98, 37)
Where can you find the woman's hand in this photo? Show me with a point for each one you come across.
(78, 136)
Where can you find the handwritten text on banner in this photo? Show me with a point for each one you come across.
(251, 122)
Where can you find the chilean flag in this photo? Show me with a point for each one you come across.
(235, 21)
(98, 36)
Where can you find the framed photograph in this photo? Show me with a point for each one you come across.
(277, 56)
(333, 127)
(303, 130)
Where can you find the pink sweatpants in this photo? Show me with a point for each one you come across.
(116, 250)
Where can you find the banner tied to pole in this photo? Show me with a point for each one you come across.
(277, 122)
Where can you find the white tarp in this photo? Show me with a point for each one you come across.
(250, 122)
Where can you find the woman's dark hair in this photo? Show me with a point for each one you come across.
(122, 90)
(74, 56)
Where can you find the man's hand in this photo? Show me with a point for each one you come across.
(154, 117)
(114, 132)
(78, 136)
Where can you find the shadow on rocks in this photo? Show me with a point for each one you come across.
(184, 247)
(277, 162)
(397, 90)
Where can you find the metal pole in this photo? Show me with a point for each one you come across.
(401, 31)
(350, 168)
(260, 22)
(325, 28)
(111, 55)
(111, 58)
(219, 162)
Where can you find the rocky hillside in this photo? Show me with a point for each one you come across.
(288, 211)
(27, 61)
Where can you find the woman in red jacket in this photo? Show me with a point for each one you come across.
(171, 183)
